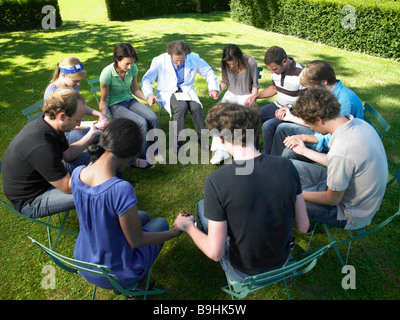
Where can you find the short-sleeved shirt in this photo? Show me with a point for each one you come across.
(119, 90)
(242, 83)
(33, 158)
(259, 208)
(101, 239)
(51, 88)
(357, 163)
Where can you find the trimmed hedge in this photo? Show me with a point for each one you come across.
(25, 14)
(135, 9)
(369, 27)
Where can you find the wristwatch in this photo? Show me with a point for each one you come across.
(290, 106)
(185, 225)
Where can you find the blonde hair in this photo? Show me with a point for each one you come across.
(68, 63)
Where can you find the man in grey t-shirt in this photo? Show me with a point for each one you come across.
(349, 190)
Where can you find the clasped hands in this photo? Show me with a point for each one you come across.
(181, 219)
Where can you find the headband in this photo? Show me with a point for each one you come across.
(74, 69)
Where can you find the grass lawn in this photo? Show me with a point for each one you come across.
(27, 60)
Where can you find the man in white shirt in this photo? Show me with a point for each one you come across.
(175, 72)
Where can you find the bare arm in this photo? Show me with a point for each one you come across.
(103, 106)
(211, 244)
(266, 93)
(75, 149)
(135, 89)
(328, 197)
(297, 145)
(63, 184)
(132, 229)
(301, 221)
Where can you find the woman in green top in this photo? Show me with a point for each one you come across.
(118, 81)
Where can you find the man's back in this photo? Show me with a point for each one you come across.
(259, 209)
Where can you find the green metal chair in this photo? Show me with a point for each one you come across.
(355, 234)
(76, 266)
(34, 111)
(375, 119)
(60, 227)
(260, 69)
(94, 87)
(253, 283)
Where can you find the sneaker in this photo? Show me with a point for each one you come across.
(219, 156)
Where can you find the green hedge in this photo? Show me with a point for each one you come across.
(134, 9)
(25, 14)
(373, 28)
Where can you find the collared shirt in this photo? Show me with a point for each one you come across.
(180, 73)
(119, 90)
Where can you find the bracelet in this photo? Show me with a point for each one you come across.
(185, 225)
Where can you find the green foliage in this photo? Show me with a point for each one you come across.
(368, 27)
(135, 9)
(25, 14)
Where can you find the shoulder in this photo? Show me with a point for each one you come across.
(50, 89)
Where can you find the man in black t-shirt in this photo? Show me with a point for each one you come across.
(250, 205)
(35, 179)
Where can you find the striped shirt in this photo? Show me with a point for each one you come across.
(288, 85)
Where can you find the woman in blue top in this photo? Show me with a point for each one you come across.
(118, 81)
(112, 230)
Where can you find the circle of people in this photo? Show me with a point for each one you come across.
(320, 161)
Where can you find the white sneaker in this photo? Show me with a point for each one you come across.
(219, 156)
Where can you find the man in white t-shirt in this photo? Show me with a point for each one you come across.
(349, 190)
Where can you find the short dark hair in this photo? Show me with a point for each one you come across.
(178, 48)
(275, 55)
(316, 103)
(64, 99)
(124, 50)
(226, 117)
(122, 137)
(315, 72)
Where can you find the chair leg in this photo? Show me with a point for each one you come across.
(94, 292)
(334, 246)
(287, 290)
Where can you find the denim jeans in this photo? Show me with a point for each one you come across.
(313, 178)
(50, 202)
(155, 225)
(267, 115)
(143, 116)
(202, 224)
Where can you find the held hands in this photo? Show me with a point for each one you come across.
(214, 94)
(151, 100)
(295, 143)
(280, 113)
(250, 100)
(182, 218)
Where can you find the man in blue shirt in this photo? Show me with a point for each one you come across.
(317, 74)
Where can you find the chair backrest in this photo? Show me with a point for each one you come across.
(375, 119)
(94, 87)
(292, 269)
(34, 111)
(260, 69)
(76, 266)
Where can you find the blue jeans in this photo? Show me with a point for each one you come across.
(267, 115)
(143, 116)
(225, 261)
(313, 178)
(155, 225)
(50, 202)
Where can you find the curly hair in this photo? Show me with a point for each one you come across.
(64, 99)
(232, 121)
(316, 103)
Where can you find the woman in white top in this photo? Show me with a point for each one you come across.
(240, 76)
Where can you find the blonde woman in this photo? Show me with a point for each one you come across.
(69, 72)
